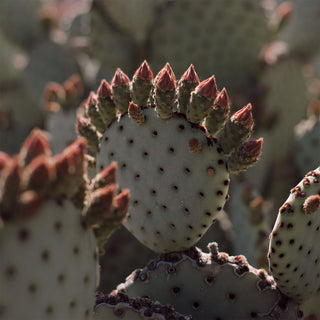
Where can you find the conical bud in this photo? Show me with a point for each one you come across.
(136, 113)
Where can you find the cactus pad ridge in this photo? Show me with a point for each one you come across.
(294, 255)
(120, 306)
(238, 290)
(176, 171)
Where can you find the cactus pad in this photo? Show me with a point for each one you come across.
(219, 286)
(176, 171)
(294, 254)
(119, 306)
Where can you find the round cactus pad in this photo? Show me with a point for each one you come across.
(294, 252)
(175, 194)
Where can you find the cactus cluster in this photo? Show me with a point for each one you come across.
(157, 160)
(52, 222)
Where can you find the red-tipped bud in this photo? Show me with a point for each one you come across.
(165, 82)
(244, 116)
(38, 174)
(106, 176)
(143, 72)
(53, 92)
(169, 69)
(100, 205)
(75, 152)
(120, 79)
(92, 100)
(75, 84)
(194, 145)
(104, 91)
(222, 99)
(136, 113)
(207, 88)
(284, 13)
(35, 145)
(121, 202)
(253, 149)
(4, 160)
(311, 204)
(190, 75)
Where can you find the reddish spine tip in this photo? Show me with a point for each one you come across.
(121, 202)
(120, 79)
(144, 72)
(190, 75)
(104, 91)
(4, 160)
(106, 177)
(164, 81)
(207, 88)
(253, 148)
(92, 100)
(222, 99)
(169, 69)
(244, 116)
(36, 144)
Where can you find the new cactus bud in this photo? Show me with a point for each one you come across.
(106, 105)
(136, 113)
(88, 131)
(165, 93)
(36, 144)
(93, 112)
(202, 99)
(121, 91)
(218, 113)
(142, 84)
(186, 85)
(245, 156)
(237, 130)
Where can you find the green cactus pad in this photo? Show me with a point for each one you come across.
(218, 286)
(175, 194)
(119, 306)
(176, 171)
(48, 264)
(215, 36)
(307, 144)
(20, 20)
(298, 32)
(294, 254)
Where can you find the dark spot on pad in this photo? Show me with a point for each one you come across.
(23, 235)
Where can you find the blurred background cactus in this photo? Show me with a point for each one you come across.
(71, 67)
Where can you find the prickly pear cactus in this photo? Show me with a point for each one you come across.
(133, 17)
(49, 233)
(238, 290)
(299, 31)
(176, 169)
(121, 258)
(307, 143)
(20, 21)
(61, 103)
(294, 255)
(48, 61)
(214, 35)
(120, 306)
